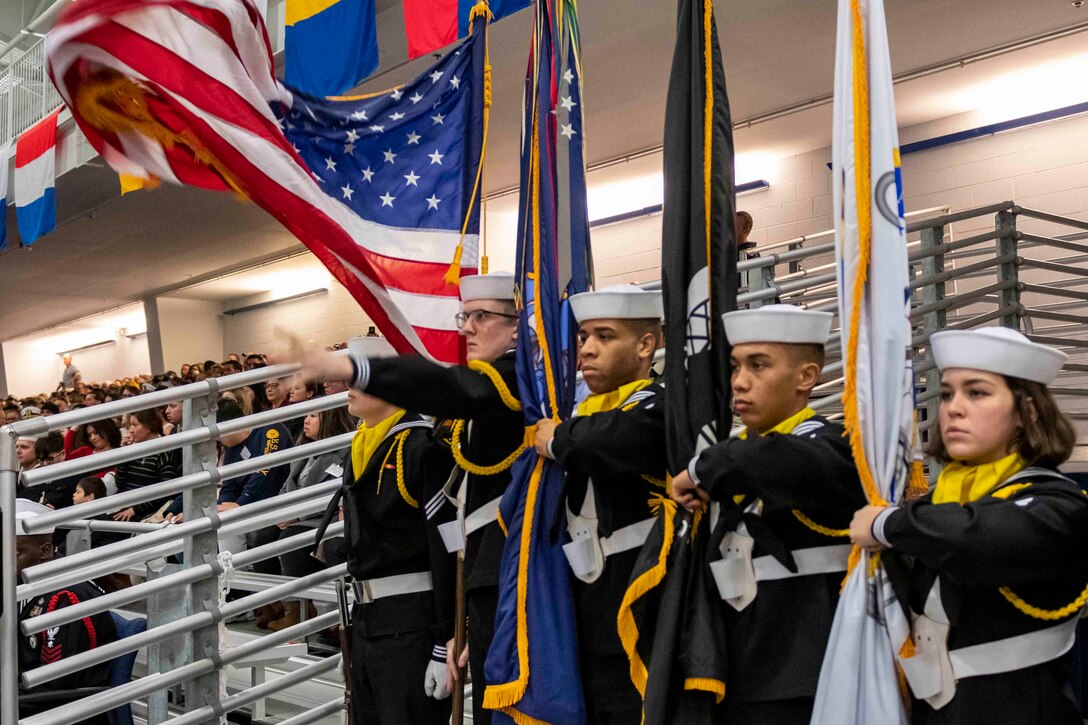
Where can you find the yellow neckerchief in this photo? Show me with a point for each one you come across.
(960, 483)
(367, 440)
(601, 402)
(786, 426)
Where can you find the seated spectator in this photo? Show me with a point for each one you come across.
(298, 392)
(243, 396)
(246, 444)
(104, 435)
(75, 442)
(301, 390)
(303, 474)
(231, 366)
(91, 488)
(24, 451)
(184, 370)
(243, 445)
(255, 360)
(49, 449)
(94, 396)
(146, 425)
(66, 640)
(50, 408)
(11, 413)
(260, 397)
(276, 390)
(172, 413)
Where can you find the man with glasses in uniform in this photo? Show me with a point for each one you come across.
(488, 432)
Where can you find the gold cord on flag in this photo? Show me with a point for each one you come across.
(453, 274)
(863, 191)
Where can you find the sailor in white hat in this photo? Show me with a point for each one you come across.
(480, 400)
(787, 486)
(998, 550)
(611, 449)
(67, 640)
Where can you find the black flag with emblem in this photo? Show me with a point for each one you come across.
(670, 622)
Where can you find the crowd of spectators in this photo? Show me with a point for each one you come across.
(114, 432)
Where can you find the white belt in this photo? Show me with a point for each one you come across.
(627, 538)
(482, 516)
(369, 590)
(816, 560)
(1014, 653)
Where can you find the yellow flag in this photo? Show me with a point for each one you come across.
(131, 183)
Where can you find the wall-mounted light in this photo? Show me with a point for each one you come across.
(269, 303)
(752, 187)
(91, 346)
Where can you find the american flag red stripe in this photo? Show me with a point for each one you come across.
(205, 69)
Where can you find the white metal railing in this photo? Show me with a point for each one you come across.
(26, 93)
(991, 292)
(195, 588)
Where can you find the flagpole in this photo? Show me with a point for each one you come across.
(459, 632)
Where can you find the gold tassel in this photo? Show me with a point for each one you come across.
(453, 274)
(483, 264)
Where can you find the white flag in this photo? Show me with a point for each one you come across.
(858, 681)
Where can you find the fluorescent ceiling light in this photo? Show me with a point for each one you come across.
(100, 343)
(278, 300)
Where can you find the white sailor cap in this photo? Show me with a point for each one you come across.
(30, 436)
(777, 323)
(997, 350)
(619, 302)
(367, 346)
(24, 510)
(30, 411)
(494, 286)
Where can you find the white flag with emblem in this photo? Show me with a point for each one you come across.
(858, 680)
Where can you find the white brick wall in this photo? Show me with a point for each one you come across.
(1043, 167)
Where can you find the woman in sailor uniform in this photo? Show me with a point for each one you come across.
(993, 562)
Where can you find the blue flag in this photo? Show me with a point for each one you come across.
(329, 45)
(533, 660)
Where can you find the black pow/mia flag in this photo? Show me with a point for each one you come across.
(674, 632)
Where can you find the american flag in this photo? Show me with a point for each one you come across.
(382, 188)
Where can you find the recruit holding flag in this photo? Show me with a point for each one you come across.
(434, 24)
(532, 666)
(35, 176)
(383, 189)
(670, 622)
(329, 45)
(858, 681)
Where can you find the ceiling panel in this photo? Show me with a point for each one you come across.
(777, 53)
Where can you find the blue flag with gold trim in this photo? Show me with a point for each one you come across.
(532, 666)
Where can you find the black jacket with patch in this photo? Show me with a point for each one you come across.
(391, 514)
(623, 453)
(67, 640)
(1032, 539)
(456, 392)
(776, 644)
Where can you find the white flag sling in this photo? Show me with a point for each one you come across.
(858, 680)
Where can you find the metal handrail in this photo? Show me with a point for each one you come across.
(936, 260)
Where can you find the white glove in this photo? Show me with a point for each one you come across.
(436, 683)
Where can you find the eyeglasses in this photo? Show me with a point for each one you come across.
(478, 316)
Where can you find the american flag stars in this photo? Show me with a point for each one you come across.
(395, 157)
